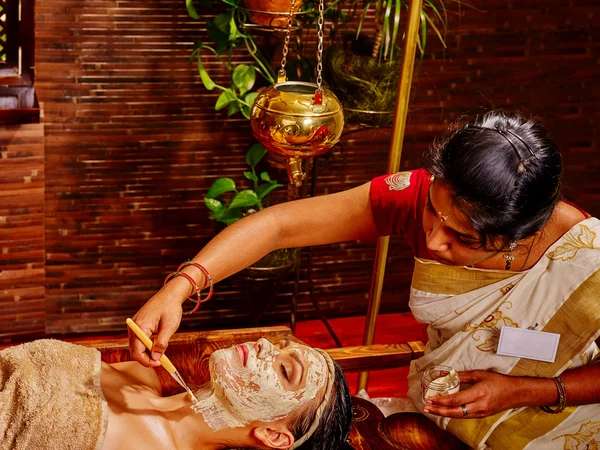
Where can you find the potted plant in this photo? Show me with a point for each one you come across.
(366, 65)
(226, 36)
(363, 70)
(230, 31)
(229, 204)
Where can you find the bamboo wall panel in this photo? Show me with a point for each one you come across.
(22, 302)
(133, 143)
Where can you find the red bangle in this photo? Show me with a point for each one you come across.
(194, 285)
(206, 274)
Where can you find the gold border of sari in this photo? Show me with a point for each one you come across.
(578, 309)
(440, 279)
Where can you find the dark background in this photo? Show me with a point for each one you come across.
(105, 197)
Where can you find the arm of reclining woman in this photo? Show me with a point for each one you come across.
(318, 220)
(492, 392)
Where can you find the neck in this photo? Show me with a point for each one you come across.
(190, 430)
(523, 258)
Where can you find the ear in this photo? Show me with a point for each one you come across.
(274, 435)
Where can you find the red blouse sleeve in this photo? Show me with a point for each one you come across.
(397, 203)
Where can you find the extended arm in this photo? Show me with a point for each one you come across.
(492, 392)
(319, 220)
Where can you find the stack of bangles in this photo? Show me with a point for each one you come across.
(562, 397)
(195, 287)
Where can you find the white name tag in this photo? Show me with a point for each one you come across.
(529, 344)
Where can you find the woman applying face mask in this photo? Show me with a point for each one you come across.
(496, 250)
(260, 395)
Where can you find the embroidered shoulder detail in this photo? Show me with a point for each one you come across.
(398, 181)
(574, 242)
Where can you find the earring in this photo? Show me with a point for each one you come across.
(509, 257)
(442, 217)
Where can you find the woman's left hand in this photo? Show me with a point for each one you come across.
(489, 394)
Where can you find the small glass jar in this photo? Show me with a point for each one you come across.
(439, 380)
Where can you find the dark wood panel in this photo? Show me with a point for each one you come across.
(133, 143)
(22, 274)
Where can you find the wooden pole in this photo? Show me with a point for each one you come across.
(406, 72)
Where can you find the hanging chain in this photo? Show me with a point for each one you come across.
(281, 77)
(320, 46)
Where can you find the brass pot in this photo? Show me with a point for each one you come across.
(286, 119)
(271, 13)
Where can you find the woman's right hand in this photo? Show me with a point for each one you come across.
(160, 316)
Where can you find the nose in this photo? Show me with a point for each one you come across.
(436, 238)
(264, 348)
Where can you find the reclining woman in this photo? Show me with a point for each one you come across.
(56, 395)
(494, 244)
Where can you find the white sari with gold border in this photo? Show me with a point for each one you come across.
(466, 308)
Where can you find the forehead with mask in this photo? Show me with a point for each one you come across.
(259, 381)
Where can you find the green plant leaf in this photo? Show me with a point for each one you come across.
(233, 109)
(437, 31)
(251, 176)
(265, 176)
(386, 31)
(244, 78)
(206, 79)
(265, 189)
(422, 40)
(244, 198)
(220, 186)
(229, 215)
(362, 18)
(245, 111)
(234, 33)
(189, 4)
(218, 31)
(255, 154)
(396, 25)
(213, 204)
(250, 97)
(226, 97)
(231, 2)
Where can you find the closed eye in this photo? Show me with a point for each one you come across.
(469, 241)
(284, 372)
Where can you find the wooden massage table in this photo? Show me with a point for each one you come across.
(190, 351)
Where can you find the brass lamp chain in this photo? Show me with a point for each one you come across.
(281, 76)
(320, 46)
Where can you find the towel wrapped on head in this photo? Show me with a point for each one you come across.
(50, 397)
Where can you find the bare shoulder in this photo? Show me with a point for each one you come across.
(567, 216)
(138, 374)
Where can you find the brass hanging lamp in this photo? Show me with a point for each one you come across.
(298, 119)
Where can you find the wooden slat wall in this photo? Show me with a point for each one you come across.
(22, 305)
(132, 144)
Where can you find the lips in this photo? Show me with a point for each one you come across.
(243, 354)
(439, 259)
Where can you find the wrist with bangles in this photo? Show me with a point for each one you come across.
(196, 290)
(562, 397)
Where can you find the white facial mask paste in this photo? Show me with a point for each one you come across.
(445, 385)
(241, 395)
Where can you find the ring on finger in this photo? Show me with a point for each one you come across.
(464, 410)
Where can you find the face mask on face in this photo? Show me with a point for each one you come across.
(246, 384)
